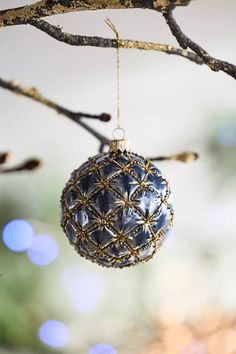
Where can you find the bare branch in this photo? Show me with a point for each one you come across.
(77, 40)
(71, 39)
(43, 8)
(33, 93)
(33, 14)
(185, 42)
(186, 156)
(28, 165)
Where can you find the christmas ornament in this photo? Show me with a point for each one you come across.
(117, 208)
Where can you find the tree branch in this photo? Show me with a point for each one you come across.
(186, 156)
(77, 40)
(33, 14)
(43, 8)
(28, 165)
(185, 42)
(33, 93)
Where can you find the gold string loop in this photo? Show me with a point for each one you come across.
(118, 133)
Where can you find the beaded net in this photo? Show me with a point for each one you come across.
(116, 209)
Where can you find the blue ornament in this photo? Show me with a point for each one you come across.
(116, 209)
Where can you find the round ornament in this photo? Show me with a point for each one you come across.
(116, 208)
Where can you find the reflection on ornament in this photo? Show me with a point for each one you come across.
(116, 209)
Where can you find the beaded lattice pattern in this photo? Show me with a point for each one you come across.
(116, 209)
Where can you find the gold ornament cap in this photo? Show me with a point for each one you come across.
(119, 142)
(119, 145)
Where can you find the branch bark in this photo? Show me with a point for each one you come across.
(185, 42)
(32, 164)
(34, 94)
(186, 157)
(28, 165)
(44, 8)
(33, 14)
(77, 40)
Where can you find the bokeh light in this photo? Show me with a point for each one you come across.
(85, 288)
(54, 333)
(18, 235)
(102, 348)
(43, 250)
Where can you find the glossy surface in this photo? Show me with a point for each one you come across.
(116, 209)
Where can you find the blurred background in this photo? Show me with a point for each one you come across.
(184, 300)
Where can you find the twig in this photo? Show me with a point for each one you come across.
(29, 165)
(185, 42)
(34, 94)
(187, 156)
(33, 14)
(22, 15)
(77, 40)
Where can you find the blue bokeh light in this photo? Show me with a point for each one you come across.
(54, 333)
(102, 348)
(18, 235)
(43, 250)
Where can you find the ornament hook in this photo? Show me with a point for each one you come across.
(119, 143)
(118, 134)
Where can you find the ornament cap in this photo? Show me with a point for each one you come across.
(119, 145)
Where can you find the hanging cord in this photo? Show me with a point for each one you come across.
(187, 156)
(113, 28)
